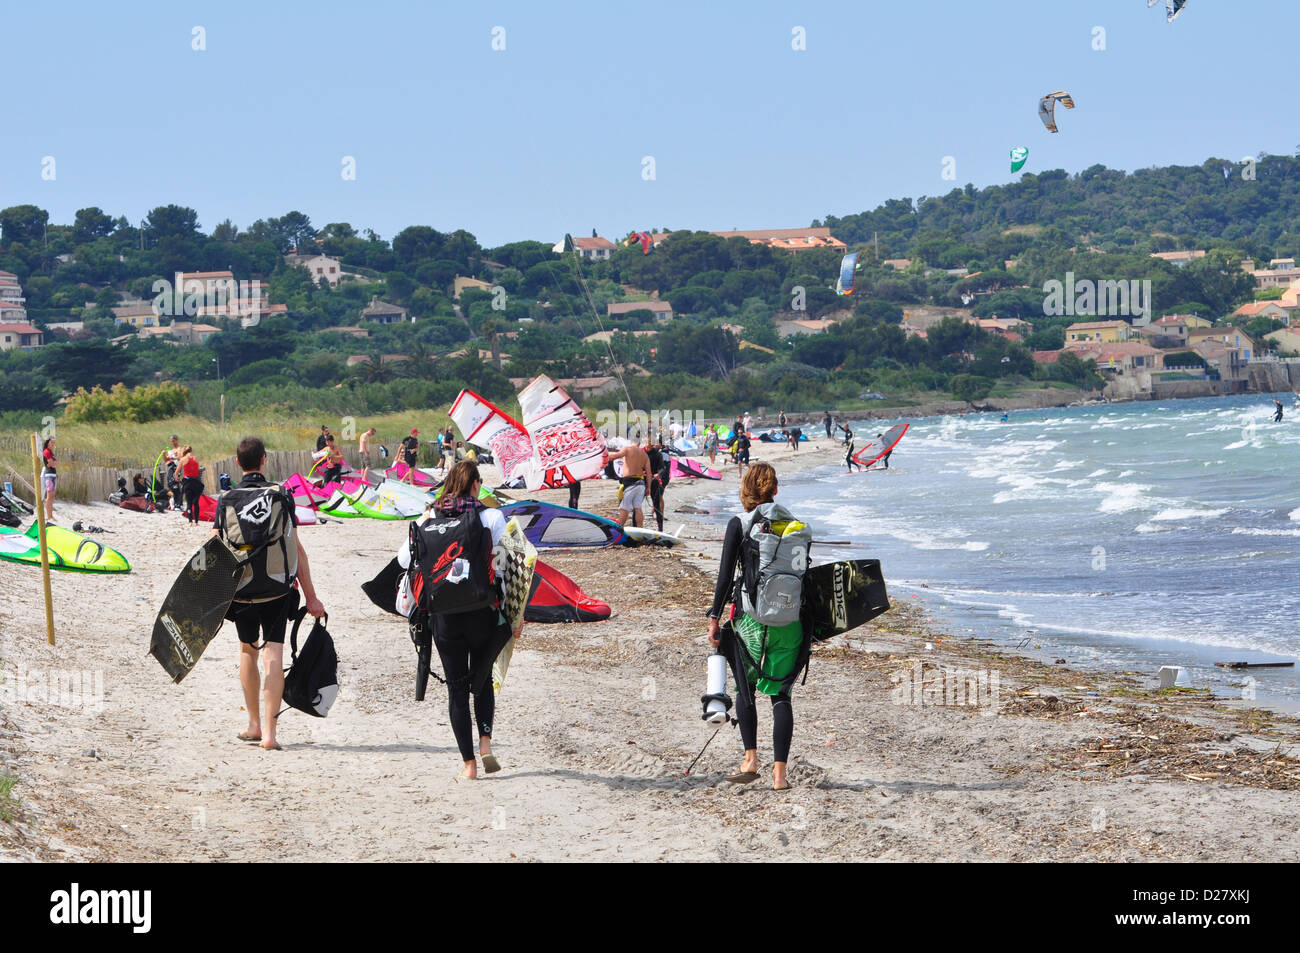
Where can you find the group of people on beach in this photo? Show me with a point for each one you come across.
(278, 579)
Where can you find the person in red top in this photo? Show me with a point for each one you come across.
(191, 485)
(49, 477)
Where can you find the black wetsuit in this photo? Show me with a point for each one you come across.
(1277, 415)
(724, 591)
(826, 422)
(575, 491)
(467, 644)
(660, 472)
(848, 456)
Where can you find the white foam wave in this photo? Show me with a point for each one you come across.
(1179, 514)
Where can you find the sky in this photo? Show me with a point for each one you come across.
(551, 134)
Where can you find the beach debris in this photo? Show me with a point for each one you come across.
(1169, 675)
(1254, 665)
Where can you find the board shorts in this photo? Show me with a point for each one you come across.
(743, 456)
(633, 497)
(49, 482)
(776, 647)
(365, 458)
(269, 619)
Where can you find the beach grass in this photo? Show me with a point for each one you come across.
(8, 803)
(127, 445)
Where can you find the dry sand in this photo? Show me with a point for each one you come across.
(595, 727)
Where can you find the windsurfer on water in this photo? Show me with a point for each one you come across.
(1277, 414)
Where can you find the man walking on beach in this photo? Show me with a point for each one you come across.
(410, 454)
(636, 475)
(258, 518)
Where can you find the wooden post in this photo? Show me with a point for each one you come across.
(223, 410)
(45, 553)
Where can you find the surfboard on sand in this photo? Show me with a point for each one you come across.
(517, 558)
(194, 609)
(842, 596)
(640, 536)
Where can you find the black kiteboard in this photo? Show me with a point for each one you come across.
(842, 596)
(194, 609)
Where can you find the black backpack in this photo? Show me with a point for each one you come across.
(311, 682)
(451, 563)
(255, 523)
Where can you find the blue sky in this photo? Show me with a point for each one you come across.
(548, 135)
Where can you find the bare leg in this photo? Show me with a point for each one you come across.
(779, 782)
(273, 688)
(250, 679)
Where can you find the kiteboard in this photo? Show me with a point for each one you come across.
(68, 551)
(641, 536)
(516, 561)
(842, 596)
(878, 448)
(194, 609)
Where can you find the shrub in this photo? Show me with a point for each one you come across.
(141, 404)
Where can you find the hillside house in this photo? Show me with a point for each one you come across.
(22, 337)
(383, 312)
(1107, 332)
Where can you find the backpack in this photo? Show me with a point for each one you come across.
(311, 682)
(774, 557)
(256, 523)
(451, 563)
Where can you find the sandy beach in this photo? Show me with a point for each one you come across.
(595, 727)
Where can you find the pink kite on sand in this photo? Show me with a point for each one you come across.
(418, 477)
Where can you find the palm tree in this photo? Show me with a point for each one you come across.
(373, 370)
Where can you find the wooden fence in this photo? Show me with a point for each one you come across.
(89, 484)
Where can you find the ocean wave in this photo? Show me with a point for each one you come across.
(1255, 531)
(1123, 497)
(1186, 513)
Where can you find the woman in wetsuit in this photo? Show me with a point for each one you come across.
(468, 642)
(764, 659)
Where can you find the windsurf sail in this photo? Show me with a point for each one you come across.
(547, 525)
(880, 446)
(555, 597)
(484, 424)
(68, 551)
(567, 447)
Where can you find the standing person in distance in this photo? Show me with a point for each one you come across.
(191, 486)
(410, 454)
(49, 477)
(363, 451)
(633, 483)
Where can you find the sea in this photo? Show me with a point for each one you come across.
(1123, 536)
